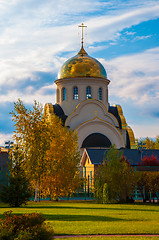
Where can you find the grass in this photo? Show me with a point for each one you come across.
(70, 218)
(110, 238)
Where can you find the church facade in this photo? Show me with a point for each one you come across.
(83, 105)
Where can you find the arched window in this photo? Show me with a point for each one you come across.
(75, 93)
(100, 93)
(88, 93)
(63, 94)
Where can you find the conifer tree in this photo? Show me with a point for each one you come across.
(18, 191)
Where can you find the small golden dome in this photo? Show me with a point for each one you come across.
(82, 65)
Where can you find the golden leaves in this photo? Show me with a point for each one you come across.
(50, 150)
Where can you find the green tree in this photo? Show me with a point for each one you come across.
(18, 191)
(148, 184)
(142, 185)
(118, 175)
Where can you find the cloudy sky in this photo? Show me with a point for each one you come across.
(37, 37)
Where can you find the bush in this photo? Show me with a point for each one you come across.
(25, 227)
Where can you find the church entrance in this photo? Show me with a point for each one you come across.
(96, 140)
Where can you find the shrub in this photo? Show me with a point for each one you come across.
(25, 227)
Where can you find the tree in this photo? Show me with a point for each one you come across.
(31, 136)
(157, 142)
(18, 191)
(149, 161)
(63, 158)
(148, 185)
(153, 184)
(118, 175)
(142, 185)
(148, 143)
(50, 150)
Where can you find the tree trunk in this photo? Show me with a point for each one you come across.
(36, 193)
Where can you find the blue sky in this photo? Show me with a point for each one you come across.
(36, 37)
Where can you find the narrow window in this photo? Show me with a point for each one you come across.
(100, 93)
(75, 93)
(63, 94)
(88, 93)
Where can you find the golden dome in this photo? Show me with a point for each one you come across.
(82, 65)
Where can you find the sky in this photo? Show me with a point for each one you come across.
(37, 37)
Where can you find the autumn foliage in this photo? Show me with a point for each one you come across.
(148, 178)
(25, 227)
(62, 159)
(49, 149)
(149, 161)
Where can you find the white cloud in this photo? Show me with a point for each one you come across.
(107, 27)
(35, 34)
(135, 76)
(28, 96)
(142, 37)
(32, 41)
(4, 138)
(142, 131)
(130, 33)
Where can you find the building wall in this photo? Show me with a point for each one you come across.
(88, 174)
(70, 104)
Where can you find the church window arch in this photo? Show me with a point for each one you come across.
(96, 140)
(75, 93)
(88, 92)
(63, 94)
(100, 93)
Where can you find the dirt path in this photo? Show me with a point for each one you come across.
(109, 235)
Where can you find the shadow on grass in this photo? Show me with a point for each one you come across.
(95, 208)
(53, 205)
(77, 218)
(85, 218)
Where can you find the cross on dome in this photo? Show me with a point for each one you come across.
(82, 26)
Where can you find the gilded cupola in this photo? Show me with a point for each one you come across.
(82, 65)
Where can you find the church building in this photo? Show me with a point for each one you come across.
(83, 104)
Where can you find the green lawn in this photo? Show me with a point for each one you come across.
(111, 238)
(90, 218)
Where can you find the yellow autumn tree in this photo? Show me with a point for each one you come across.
(50, 151)
(157, 142)
(31, 136)
(148, 143)
(62, 159)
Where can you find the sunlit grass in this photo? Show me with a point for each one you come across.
(111, 238)
(91, 218)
